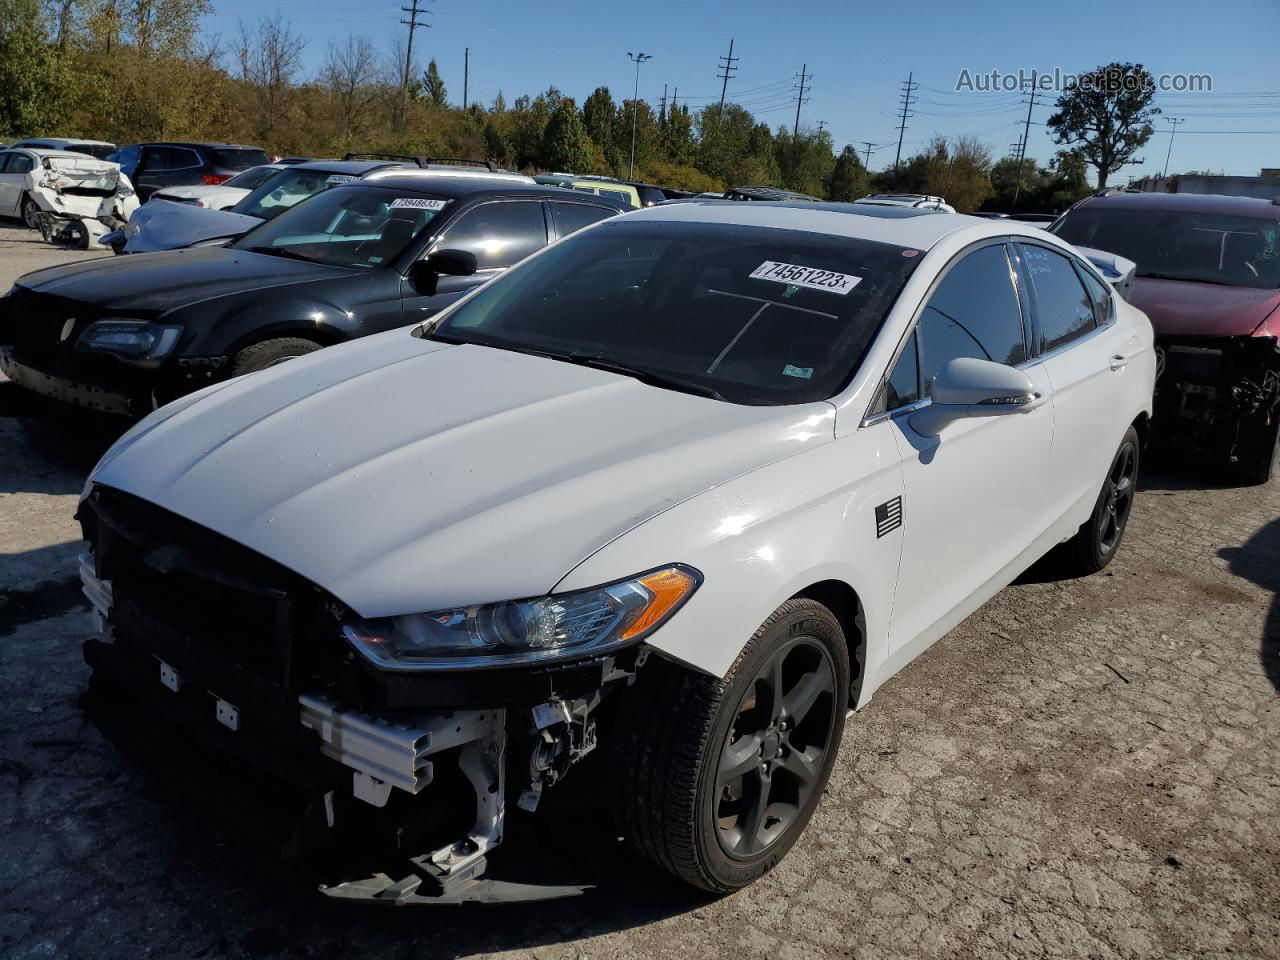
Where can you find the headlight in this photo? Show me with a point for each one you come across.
(517, 632)
(135, 341)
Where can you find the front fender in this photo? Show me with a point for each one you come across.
(764, 537)
(223, 333)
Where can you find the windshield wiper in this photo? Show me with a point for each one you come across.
(282, 252)
(654, 378)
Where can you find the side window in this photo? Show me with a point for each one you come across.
(903, 385)
(499, 234)
(1099, 293)
(1064, 309)
(155, 159)
(180, 158)
(4, 159)
(19, 163)
(972, 313)
(571, 217)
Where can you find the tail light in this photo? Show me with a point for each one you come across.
(213, 179)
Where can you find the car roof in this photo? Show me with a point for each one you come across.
(57, 140)
(1187, 203)
(207, 144)
(49, 152)
(436, 172)
(901, 226)
(463, 186)
(353, 167)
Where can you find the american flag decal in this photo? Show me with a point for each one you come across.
(888, 517)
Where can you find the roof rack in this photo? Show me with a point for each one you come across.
(420, 161)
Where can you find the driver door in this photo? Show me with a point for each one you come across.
(499, 232)
(973, 498)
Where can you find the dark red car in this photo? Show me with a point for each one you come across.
(1209, 278)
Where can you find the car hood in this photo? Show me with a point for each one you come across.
(159, 282)
(404, 475)
(1187, 308)
(164, 225)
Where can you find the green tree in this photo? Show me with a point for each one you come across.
(679, 136)
(849, 180)
(566, 145)
(433, 85)
(1106, 116)
(35, 82)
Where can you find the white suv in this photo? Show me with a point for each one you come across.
(684, 486)
(917, 201)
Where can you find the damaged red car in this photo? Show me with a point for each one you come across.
(1208, 276)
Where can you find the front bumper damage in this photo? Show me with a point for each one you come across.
(80, 200)
(365, 758)
(1210, 390)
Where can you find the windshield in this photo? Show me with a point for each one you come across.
(253, 177)
(1176, 245)
(753, 315)
(277, 194)
(360, 227)
(236, 158)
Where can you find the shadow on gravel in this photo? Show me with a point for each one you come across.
(1259, 561)
(48, 448)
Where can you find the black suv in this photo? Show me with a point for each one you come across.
(154, 165)
(128, 333)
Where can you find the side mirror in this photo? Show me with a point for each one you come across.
(452, 263)
(974, 388)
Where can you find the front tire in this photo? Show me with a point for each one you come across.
(30, 213)
(268, 353)
(715, 780)
(1096, 542)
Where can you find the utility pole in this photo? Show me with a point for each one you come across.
(822, 125)
(637, 59)
(909, 89)
(675, 95)
(800, 100)
(466, 75)
(1026, 138)
(1172, 133)
(728, 70)
(413, 23)
(662, 114)
(870, 146)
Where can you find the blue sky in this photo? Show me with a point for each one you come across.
(858, 53)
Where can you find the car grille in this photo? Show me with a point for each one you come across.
(36, 326)
(179, 586)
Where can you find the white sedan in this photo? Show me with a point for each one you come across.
(222, 196)
(686, 486)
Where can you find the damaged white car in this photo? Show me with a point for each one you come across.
(71, 198)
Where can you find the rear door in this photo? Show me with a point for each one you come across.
(974, 494)
(1085, 355)
(499, 232)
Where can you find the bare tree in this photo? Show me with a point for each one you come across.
(270, 59)
(351, 73)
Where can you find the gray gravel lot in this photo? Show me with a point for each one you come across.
(1084, 768)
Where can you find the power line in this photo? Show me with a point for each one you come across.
(727, 70)
(908, 91)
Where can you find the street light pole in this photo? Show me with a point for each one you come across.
(1172, 133)
(637, 58)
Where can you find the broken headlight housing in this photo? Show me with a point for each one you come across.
(527, 632)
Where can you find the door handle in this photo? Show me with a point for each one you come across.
(1118, 362)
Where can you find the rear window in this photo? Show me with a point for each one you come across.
(237, 159)
(99, 150)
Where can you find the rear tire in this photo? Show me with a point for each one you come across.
(1097, 541)
(715, 780)
(1261, 451)
(268, 353)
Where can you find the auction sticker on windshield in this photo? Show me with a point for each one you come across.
(418, 203)
(810, 277)
(341, 178)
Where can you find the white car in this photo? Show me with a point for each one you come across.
(684, 486)
(94, 148)
(222, 196)
(69, 186)
(917, 201)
